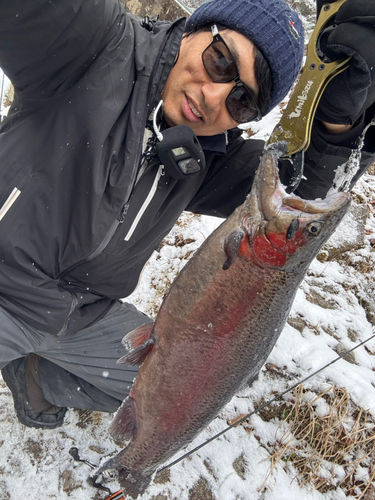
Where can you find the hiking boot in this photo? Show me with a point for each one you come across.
(21, 376)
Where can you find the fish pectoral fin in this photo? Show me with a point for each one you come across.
(138, 355)
(137, 337)
(124, 425)
(138, 343)
(232, 244)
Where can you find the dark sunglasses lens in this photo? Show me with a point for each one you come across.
(241, 106)
(219, 63)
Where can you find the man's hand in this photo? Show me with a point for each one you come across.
(350, 93)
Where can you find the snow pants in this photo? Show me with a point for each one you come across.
(78, 371)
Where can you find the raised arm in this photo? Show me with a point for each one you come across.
(45, 45)
(348, 103)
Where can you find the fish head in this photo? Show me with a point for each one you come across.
(283, 230)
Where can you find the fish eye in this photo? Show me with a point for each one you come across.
(314, 228)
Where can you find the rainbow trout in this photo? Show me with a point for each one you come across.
(218, 322)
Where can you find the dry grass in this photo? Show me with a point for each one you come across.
(363, 266)
(330, 451)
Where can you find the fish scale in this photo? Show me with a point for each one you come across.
(218, 322)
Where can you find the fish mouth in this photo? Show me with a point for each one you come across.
(274, 202)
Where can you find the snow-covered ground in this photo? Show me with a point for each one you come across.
(334, 311)
(4, 87)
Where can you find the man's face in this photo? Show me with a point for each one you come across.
(192, 98)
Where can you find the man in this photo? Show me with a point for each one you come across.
(84, 197)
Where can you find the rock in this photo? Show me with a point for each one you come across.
(341, 349)
(306, 8)
(201, 491)
(4, 495)
(352, 335)
(69, 484)
(240, 466)
(297, 322)
(167, 10)
(97, 449)
(318, 299)
(163, 477)
(350, 233)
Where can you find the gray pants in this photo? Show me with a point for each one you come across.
(78, 371)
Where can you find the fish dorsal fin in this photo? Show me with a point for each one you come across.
(124, 425)
(138, 343)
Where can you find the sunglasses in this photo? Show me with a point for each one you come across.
(220, 66)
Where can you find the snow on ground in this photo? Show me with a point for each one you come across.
(4, 88)
(332, 311)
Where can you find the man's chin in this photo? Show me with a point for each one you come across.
(198, 128)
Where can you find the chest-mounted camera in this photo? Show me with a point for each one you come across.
(178, 149)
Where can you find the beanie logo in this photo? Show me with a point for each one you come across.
(301, 100)
(293, 30)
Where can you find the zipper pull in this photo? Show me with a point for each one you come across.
(123, 213)
(150, 152)
(161, 173)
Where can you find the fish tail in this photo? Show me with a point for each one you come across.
(133, 482)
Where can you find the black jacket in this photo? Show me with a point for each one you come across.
(75, 228)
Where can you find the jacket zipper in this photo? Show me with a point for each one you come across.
(120, 219)
(146, 203)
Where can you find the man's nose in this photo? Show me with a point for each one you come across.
(215, 94)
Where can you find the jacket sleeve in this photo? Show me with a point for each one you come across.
(46, 44)
(327, 153)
